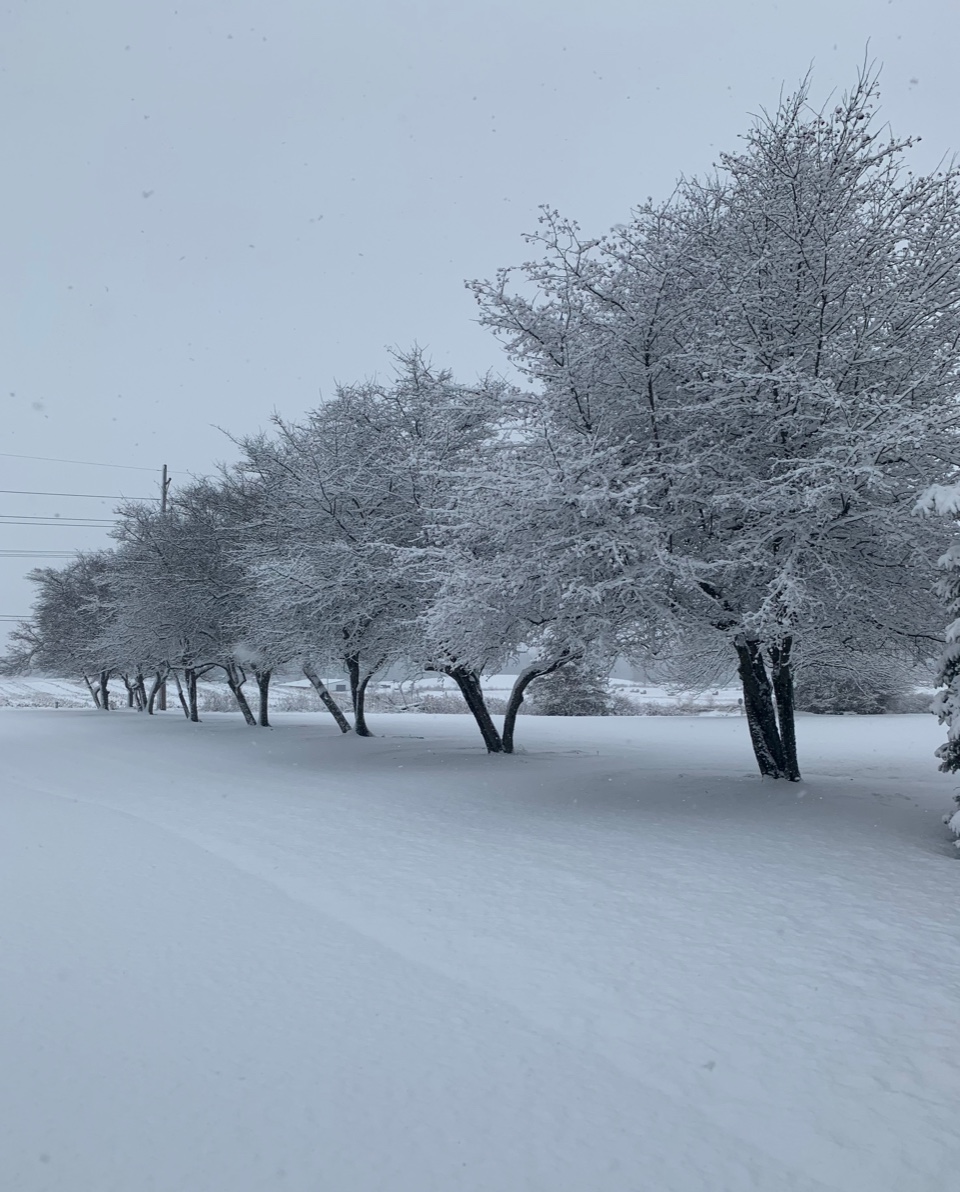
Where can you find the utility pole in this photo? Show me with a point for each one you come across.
(164, 489)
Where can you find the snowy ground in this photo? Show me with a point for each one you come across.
(239, 960)
(35, 692)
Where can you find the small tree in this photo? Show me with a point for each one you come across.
(578, 689)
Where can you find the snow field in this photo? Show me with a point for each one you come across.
(252, 959)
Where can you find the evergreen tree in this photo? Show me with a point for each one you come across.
(578, 689)
(945, 500)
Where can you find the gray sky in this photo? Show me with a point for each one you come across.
(217, 208)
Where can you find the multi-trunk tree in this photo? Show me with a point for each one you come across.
(767, 364)
(345, 561)
(181, 593)
(73, 613)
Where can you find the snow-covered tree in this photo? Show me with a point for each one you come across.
(72, 614)
(532, 558)
(346, 564)
(181, 589)
(767, 367)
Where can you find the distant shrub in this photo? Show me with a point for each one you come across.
(213, 699)
(217, 698)
(300, 699)
(912, 701)
(575, 690)
(620, 704)
(442, 703)
(690, 707)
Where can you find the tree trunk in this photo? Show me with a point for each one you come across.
(140, 692)
(263, 688)
(782, 668)
(359, 719)
(235, 681)
(94, 692)
(358, 690)
(158, 685)
(191, 677)
(162, 694)
(104, 691)
(328, 701)
(469, 683)
(129, 687)
(758, 705)
(182, 697)
(359, 708)
(522, 682)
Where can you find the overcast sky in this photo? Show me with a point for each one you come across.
(214, 209)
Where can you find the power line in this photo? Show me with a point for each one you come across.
(55, 517)
(85, 462)
(35, 492)
(69, 522)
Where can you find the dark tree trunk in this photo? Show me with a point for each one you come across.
(158, 685)
(94, 692)
(759, 708)
(140, 691)
(180, 695)
(469, 683)
(162, 694)
(104, 691)
(359, 716)
(235, 681)
(191, 677)
(358, 690)
(263, 690)
(129, 687)
(782, 669)
(523, 681)
(328, 701)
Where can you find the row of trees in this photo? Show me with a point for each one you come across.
(730, 405)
